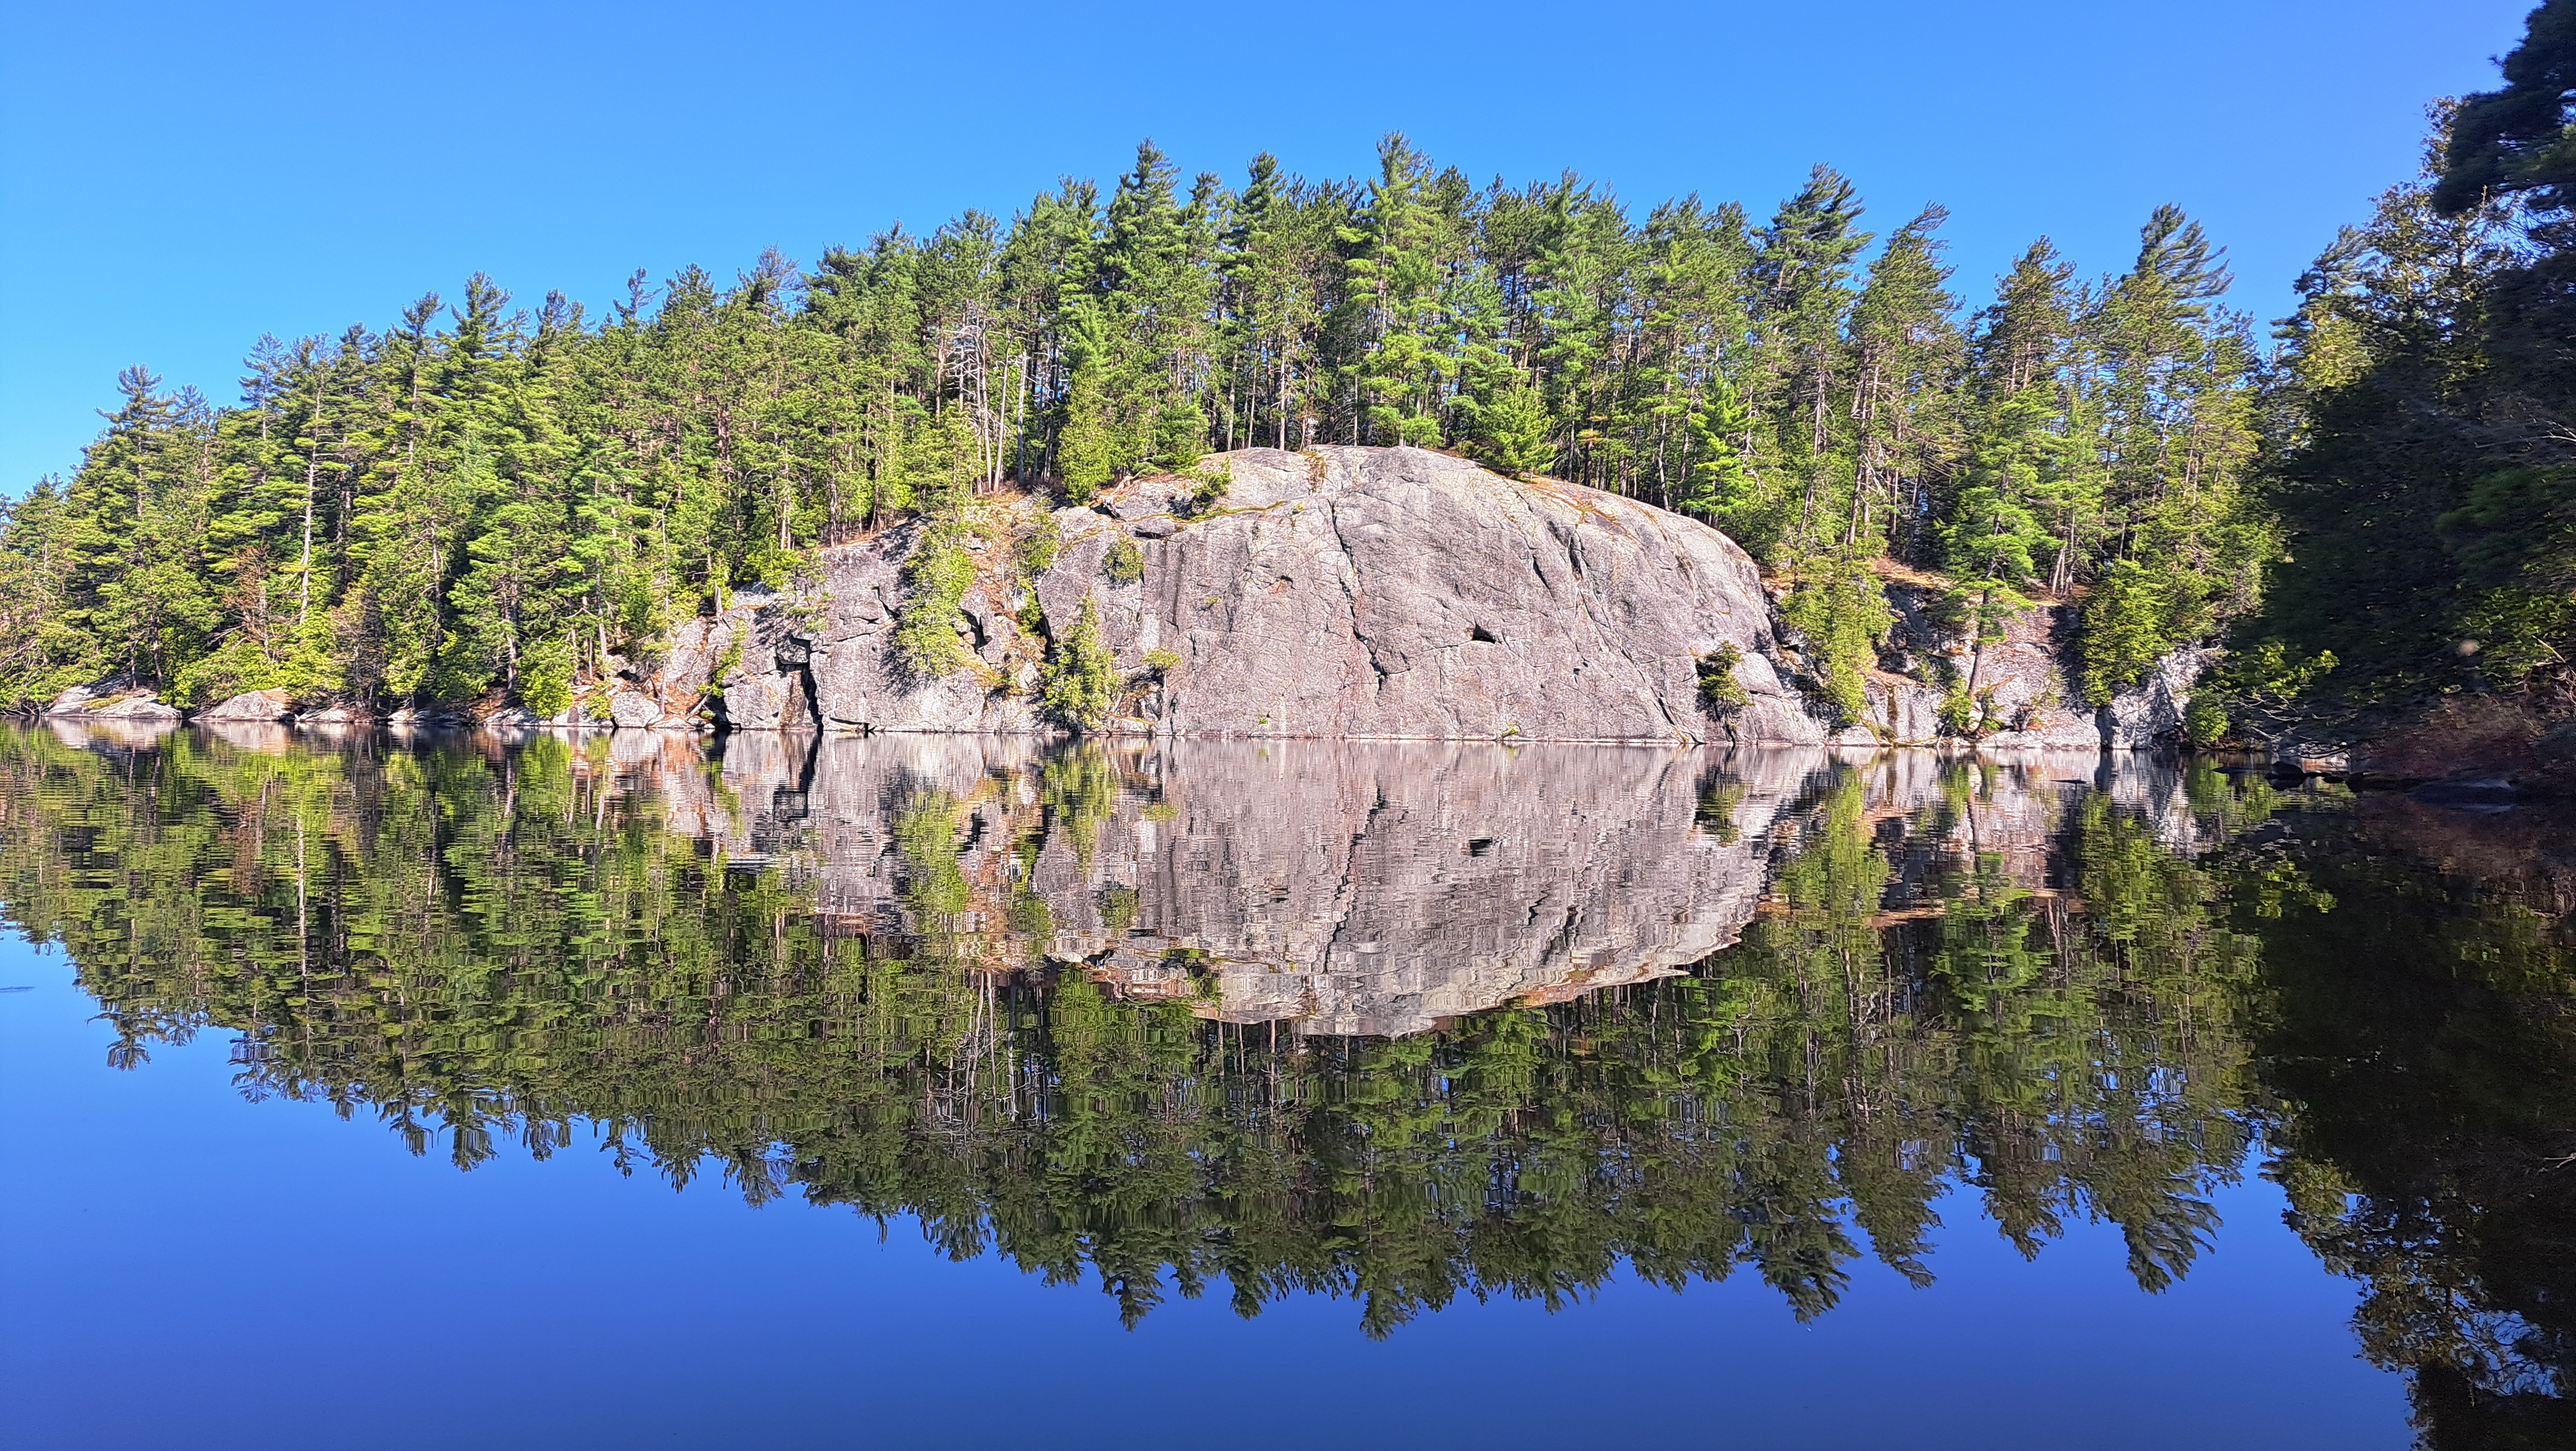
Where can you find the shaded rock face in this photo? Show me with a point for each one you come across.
(2016, 689)
(2149, 714)
(1362, 888)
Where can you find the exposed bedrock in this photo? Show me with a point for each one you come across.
(1368, 593)
(1399, 593)
(1346, 592)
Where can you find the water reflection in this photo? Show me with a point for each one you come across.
(1403, 1024)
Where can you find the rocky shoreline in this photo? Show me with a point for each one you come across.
(1338, 593)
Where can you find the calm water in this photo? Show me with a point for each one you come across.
(934, 1092)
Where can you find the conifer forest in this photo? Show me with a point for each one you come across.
(478, 495)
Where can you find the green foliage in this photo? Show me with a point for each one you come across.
(936, 577)
(1085, 445)
(1841, 614)
(1124, 562)
(1037, 549)
(1117, 908)
(726, 660)
(1162, 662)
(1960, 712)
(1180, 436)
(2518, 634)
(2129, 624)
(1212, 484)
(1516, 429)
(2204, 720)
(2519, 140)
(1719, 690)
(545, 679)
(2430, 549)
(2258, 679)
(1080, 678)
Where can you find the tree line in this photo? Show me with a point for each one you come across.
(2425, 475)
(480, 499)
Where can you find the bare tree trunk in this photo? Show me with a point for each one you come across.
(304, 605)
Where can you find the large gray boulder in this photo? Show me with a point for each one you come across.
(112, 700)
(1354, 593)
(1402, 594)
(1358, 594)
(251, 706)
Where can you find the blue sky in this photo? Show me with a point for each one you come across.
(176, 180)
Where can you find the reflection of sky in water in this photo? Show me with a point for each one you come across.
(1925, 974)
(185, 1268)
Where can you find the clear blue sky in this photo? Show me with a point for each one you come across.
(177, 179)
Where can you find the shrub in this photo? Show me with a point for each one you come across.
(1517, 430)
(2204, 720)
(1125, 563)
(1080, 677)
(1180, 436)
(545, 683)
(1718, 687)
(1039, 547)
(1212, 486)
(925, 632)
(1841, 614)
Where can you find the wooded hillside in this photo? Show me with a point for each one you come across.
(483, 498)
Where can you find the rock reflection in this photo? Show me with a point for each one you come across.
(1402, 1023)
(1339, 890)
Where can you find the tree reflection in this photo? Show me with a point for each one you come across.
(2023, 995)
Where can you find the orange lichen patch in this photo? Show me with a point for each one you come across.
(1889, 569)
(1586, 981)
(1878, 921)
(1582, 499)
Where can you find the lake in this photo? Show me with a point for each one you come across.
(625, 1090)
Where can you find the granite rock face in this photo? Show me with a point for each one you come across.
(1365, 594)
(1350, 593)
(1402, 594)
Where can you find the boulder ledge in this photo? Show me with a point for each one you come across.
(1353, 593)
(1363, 594)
